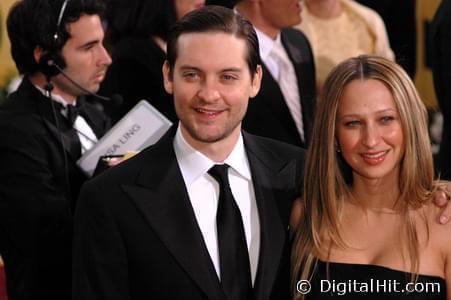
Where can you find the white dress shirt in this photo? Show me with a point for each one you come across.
(266, 44)
(203, 191)
(276, 59)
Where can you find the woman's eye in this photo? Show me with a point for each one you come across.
(387, 119)
(352, 123)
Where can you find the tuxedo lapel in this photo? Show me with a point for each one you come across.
(64, 139)
(269, 175)
(274, 98)
(31, 101)
(61, 133)
(41, 106)
(160, 194)
(96, 121)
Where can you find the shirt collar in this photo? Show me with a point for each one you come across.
(193, 164)
(55, 97)
(266, 43)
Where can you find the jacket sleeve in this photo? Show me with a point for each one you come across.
(35, 218)
(99, 255)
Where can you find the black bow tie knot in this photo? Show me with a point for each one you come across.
(73, 111)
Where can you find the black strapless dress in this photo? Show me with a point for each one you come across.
(357, 281)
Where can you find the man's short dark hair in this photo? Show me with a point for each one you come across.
(33, 23)
(212, 18)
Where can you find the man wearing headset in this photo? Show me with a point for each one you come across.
(45, 126)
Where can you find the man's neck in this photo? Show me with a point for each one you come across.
(325, 9)
(41, 81)
(216, 151)
(249, 10)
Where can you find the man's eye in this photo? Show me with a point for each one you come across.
(190, 75)
(229, 77)
(88, 47)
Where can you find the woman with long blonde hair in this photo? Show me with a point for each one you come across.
(365, 227)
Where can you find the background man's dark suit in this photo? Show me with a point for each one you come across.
(441, 69)
(136, 235)
(136, 74)
(268, 114)
(35, 200)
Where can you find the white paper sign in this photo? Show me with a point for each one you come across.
(141, 127)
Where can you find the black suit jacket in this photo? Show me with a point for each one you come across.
(268, 114)
(136, 74)
(136, 235)
(441, 69)
(35, 200)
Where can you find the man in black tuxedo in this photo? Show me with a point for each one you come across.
(41, 138)
(284, 109)
(158, 225)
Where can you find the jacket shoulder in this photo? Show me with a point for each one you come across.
(20, 123)
(279, 149)
(295, 35)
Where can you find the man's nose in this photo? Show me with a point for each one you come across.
(104, 57)
(208, 91)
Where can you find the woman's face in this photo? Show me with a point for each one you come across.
(182, 7)
(369, 130)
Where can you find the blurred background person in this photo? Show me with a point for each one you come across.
(285, 106)
(45, 126)
(137, 32)
(340, 29)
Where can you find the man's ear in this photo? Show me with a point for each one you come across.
(256, 81)
(38, 52)
(167, 76)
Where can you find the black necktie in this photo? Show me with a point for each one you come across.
(233, 254)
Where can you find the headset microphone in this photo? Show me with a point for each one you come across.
(115, 99)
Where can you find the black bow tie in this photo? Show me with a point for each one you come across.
(72, 112)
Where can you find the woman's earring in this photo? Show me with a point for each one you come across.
(337, 147)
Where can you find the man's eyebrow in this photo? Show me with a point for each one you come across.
(231, 69)
(189, 67)
(234, 69)
(89, 43)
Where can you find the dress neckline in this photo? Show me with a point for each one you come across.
(380, 267)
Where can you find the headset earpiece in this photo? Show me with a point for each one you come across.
(49, 60)
(47, 64)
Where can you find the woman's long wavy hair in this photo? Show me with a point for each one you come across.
(328, 178)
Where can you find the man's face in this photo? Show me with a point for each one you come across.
(86, 58)
(211, 83)
(281, 14)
